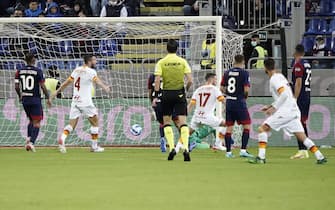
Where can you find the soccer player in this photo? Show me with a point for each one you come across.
(284, 114)
(157, 109)
(28, 81)
(173, 69)
(235, 84)
(83, 78)
(301, 83)
(204, 99)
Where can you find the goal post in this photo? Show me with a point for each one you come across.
(127, 50)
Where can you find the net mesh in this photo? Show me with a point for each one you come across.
(126, 53)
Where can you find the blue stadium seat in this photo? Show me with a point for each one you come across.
(324, 7)
(333, 45)
(332, 26)
(328, 43)
(322, 27)
(4, 47)
(32, 46)
(108, 47)
(332, 5)
(72, 64)
(12, 65)
(313, 27)
(101, 64)
(65, 47)
(308, 43)
(60, 64)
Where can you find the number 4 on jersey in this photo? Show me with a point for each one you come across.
(77, 83)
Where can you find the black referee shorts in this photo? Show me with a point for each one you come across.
(174, 102)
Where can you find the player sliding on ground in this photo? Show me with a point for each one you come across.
(173, 69)
(82, 104)
(235, 84)
(28, 81)
(284, 114)
(204, 99)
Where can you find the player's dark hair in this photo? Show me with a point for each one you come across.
(255, 36)
(87, 58)
(29, 58)
(269, 64)
(172, 46)
(209, 76)
(239, 59)
(300, 49)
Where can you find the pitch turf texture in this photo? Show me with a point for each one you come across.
(142, 179)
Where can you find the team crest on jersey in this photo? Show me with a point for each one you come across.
(297, 69)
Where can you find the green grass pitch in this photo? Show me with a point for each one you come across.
(142, 179)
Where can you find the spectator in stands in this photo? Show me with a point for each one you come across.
(53, 10)
(96, 6)
(208, 52)
(4, 4)
(320, 50)
(18, 11)
(34, 9)
(258, 52)
(114, 8)
(191, 8)
(132, 7)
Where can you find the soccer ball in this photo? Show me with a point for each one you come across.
(136, 130)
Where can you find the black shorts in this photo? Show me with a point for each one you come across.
(159, 113)
(174, 102)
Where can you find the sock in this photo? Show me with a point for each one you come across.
(184, 135)
(168, 133)
(67, 130)
(221, 133)
(227, 139)
(314, 149)
(245, 139)
(262, 143)
(94, 136)
(30, 129)
(34, 134)
(301, 144)
(161, 130)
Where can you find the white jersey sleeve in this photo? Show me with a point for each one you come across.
(282, 94)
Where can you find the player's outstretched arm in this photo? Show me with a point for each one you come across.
(102, 85)
(62, 87)
(46, 94)
(190, 106)
(189, 81)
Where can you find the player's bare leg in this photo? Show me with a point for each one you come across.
(245, 139)
(301, 136)
(67, 130)
(229, 131)
(95, 134)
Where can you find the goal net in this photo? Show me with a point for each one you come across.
(127, 50)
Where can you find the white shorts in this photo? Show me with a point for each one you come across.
(212, 121)
(88, 111)
(289, 122)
